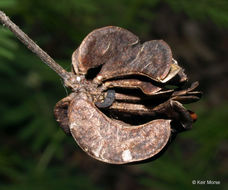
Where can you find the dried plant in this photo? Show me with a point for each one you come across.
(120, 109)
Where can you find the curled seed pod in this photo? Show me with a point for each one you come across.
(113, 141)
(131, 80)
(101, 46)
(119, 54)
(105, 47)
(146, 87)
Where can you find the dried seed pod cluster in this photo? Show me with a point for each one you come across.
(122, 108)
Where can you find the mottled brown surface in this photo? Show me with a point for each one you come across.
(120, 53)
(170, 109)
(153, 59)
(146, 87)
(102, 45)
(128, 84)
(111, 141)
(61, 111)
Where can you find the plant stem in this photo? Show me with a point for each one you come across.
(31, 45)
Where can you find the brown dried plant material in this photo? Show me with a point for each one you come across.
(87, 113)
(113, 141)
(61, 113)
(146, 87)
(131, 83)
(121, 54)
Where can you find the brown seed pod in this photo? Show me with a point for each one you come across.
(146, 87)
(113, 141)
(105, 47)
(118, 54)
(125, 113)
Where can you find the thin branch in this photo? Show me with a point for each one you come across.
(31, 45)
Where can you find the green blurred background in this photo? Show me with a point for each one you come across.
(36, 154)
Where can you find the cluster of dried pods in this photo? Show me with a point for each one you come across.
(126, 100)
(121, 108)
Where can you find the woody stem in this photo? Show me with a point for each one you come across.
(31, 45)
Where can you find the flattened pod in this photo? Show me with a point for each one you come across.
(102, 45)
(121, 54)
(146, 87)
(113, 141)
(152, 59)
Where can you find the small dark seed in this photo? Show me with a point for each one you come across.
(109, 99)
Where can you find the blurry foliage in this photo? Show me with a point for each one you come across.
(34, 151)
(217, 11)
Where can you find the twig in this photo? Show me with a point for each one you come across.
(31, 45)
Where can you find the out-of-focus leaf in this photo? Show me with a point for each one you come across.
(7, 3)
(5, 53)
(215, 10)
